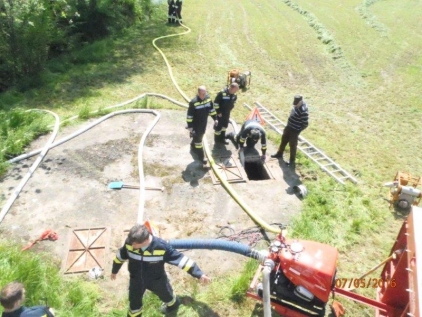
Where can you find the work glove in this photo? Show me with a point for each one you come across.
(215, 123)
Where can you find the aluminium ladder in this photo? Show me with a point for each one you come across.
(316, 155)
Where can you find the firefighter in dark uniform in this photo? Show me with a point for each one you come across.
(199, 109)
(175, 11)
(171, 17)
(147, 255)
(249, 134)
(223, 105)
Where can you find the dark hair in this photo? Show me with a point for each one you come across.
(138, 233)
(11, 294)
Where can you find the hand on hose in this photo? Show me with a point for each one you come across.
(263, 157)
(215, 123)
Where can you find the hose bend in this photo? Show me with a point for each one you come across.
(31, 170)
(213, 244)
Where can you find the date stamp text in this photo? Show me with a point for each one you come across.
(365, 282)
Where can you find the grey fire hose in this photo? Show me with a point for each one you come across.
(213, 244)
(268, 267)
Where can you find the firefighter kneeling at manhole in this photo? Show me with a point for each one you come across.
(249, 134)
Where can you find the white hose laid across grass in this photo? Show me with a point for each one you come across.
(33, 167)
(61, 141)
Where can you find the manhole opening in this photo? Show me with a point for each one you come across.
(256, 171)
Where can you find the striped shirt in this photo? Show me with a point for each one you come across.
(298, 119)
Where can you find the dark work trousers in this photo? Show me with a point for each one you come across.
(220, 129)
(137, 286)
(197, 146)
(171, 13)
(290, 136)
(178, 11)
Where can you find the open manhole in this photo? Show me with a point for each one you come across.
(255, 168)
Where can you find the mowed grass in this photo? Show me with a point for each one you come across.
(365, 106)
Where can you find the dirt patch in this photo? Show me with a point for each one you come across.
(70, 191)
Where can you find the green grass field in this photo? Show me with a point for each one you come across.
(357, 62)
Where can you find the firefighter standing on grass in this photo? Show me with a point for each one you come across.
(175, 11)
(199, 109)
(147, 255)
(224, 104)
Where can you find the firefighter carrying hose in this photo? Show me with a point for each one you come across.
(223, 105)
(147, 255)
(199, 109)
(249, 134)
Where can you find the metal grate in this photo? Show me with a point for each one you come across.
(229, 169)
(87, 250)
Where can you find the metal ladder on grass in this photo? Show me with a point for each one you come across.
(307, 148)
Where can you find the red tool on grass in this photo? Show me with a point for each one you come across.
(48, 234)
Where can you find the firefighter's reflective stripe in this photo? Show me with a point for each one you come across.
(145, 258)
(171, 303)
(134, 313)
(198, 145)
(118, 259)
(217, 132)
(155, 252)
(183, 262)
(216, 106)
(242, 140)
(263, 146)
(189, 119)
(188, 265)
(203, 102)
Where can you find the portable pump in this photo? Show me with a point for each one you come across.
(243, 78)
(302, 278)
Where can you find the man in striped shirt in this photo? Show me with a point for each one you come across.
(147, 255)
(298, 121)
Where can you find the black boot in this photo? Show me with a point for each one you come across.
(277, 155)
(201, 156)
(224, 138)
